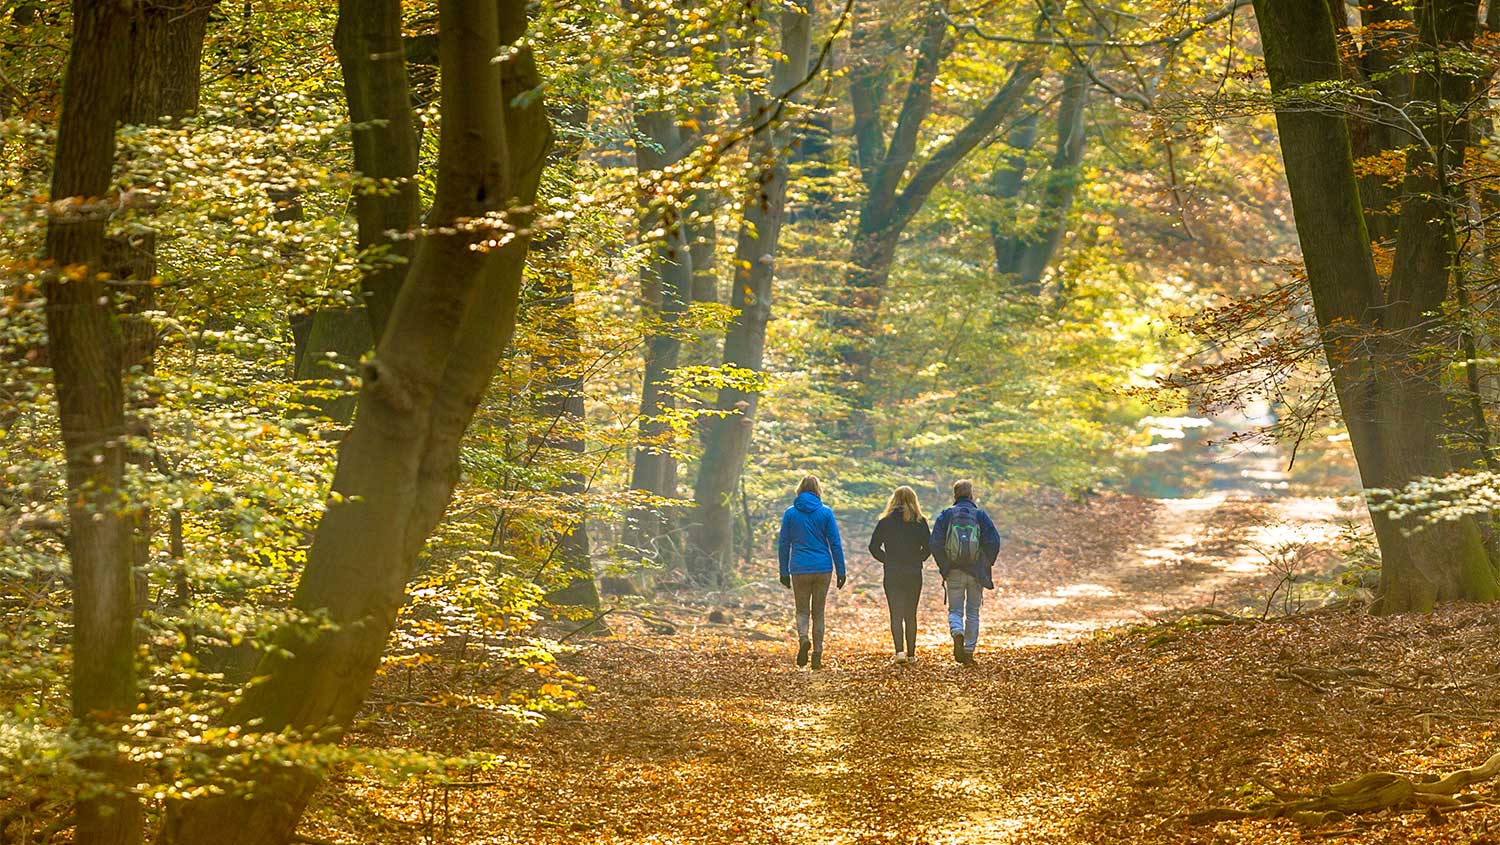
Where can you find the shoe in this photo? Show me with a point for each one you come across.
(802, 649)
(911, 658)
(817, 661)
(968, 658)
(958, 646)
(900, 657)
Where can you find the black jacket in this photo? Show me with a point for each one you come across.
(900, 544)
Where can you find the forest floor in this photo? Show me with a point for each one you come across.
(1097, 713)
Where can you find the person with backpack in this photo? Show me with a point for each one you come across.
(965, 544)
(900, 543)
(811, 551)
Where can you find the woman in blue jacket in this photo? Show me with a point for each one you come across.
(811, 551)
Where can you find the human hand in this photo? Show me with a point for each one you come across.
(786, 581)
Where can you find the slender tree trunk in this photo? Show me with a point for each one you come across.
(166, 58)
(85, 349)
(1386, 26)
(378, 94)
(1006, 185)
(1376, 337)
(336, 340)
(898, 188)
(1061, 184)
(666, 288)
(561, 395)
(397, 467)
(727, 440)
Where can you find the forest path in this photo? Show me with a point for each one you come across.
(712, 735)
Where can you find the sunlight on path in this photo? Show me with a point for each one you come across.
(1216, 551)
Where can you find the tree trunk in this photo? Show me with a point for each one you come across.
(166, 58)
(666, 289)
(397, 467)
(377, 93)
(561, 398)
(84, 347)
(1389, 390)
(1061, 184)
(337, 338)
(1006, 184)
(727, 440)
(1386, 24)
(894, 197)
(372, 58)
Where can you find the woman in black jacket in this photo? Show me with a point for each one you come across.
(900, 542)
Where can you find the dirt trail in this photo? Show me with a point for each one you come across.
(711, 735)
(1212, 551)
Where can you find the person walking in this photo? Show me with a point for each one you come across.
(965, 544)
(811, 551)
(900, 542)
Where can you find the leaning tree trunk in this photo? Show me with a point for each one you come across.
(377, 93)
(398, 466)
(727, 438)
(84, 347)
(898, 187)
(1376, 342)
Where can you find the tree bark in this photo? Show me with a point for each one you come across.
(166, 58)
(891, 204)
(397, 467)
(85, 350)
(1061, 184)
(1376, 338)
(378, 94)
(1006, 185)
(666, 289)
(561, 398)
(727, 437)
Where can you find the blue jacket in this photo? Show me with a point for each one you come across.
(989, 543)
(810, 541)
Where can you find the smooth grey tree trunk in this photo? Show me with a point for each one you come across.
(727, 437)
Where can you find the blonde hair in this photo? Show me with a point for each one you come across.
(809, 484)
(963, 489)
(904, 498)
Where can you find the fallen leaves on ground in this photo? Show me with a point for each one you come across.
(710, 736)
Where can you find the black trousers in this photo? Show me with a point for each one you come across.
(903, 587)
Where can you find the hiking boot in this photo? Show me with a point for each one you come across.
(817, 661)
(968, 658)
(802, 649)
(900, 657)
(959, 652)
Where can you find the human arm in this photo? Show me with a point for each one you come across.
(877, 540)
(935, 543)
(989, 539)
(927, 545)
(784, 549)
(836, 547)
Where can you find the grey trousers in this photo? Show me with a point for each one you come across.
(811, 594)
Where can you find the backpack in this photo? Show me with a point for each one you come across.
(961, 543)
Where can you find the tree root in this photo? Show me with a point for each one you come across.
(1367, 793)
